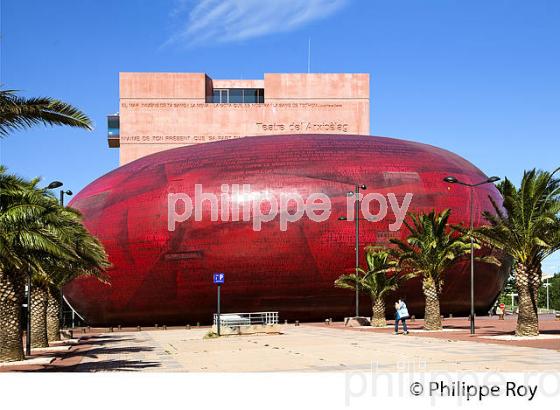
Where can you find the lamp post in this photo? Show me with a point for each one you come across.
(513, 295)
(547, 285)
(61, 319)
(356, 193)
(52, 185)
(454, 180)
(62, 192)
(28, 325)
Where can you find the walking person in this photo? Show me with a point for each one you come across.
(501, 311)
(401, 314)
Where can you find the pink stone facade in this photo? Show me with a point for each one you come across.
(161, 111)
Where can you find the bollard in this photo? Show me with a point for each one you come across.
(156, 325)
(164, 327)
(188, 327)
(327, 322)
(138, 328)
(297, 323)
(451, 316)
(119, 327)
(330, 320)
(83, 329)
(285, 322)
(197, 324)
(111, 329)
(412, 319)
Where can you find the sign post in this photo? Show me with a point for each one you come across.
(219, 280)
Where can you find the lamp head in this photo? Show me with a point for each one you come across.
(68, 192)
(493, 179)
(450, 180)
(54, 184)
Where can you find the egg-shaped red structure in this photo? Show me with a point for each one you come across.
(163, 275)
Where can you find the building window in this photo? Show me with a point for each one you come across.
(220, 96)
(253, 95)
(238, 95)
(113, 130)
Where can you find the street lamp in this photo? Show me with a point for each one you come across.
(356, 192)
(547, 285)
(62, 192)
(28, 325)
(52, 185)
(454, 180)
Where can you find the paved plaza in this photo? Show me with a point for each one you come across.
(305, 348)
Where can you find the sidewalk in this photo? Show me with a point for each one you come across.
(309, 348)
(487, 330)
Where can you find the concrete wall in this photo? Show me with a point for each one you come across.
(160, 111)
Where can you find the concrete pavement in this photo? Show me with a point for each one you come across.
(305, 348)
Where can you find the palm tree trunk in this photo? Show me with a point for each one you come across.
(378, 318)
(53, 315)
(432, 313)
(11, 333)
(39, 317)
(527, 282)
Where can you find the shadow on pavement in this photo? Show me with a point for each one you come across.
(105, 365)
(95, 352)
(101, 340)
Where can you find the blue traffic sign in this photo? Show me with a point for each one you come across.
(219, 278)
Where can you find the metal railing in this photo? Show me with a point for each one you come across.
(547, 311)
(70, 317)
(247, 319)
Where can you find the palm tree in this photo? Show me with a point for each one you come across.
(11, 292)
(38, 316)
(528, 229)
(431, 248)
(24, 241)
(54, 312)
(19, 112)
(381, 278)
(42, 240)
(91, 260)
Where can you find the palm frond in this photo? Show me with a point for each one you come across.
(18, 113)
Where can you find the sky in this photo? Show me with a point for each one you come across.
(480, 78)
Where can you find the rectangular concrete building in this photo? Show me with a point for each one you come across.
(160, 111)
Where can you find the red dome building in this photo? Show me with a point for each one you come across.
(165, 276)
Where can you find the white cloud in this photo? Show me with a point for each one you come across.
(225, 21)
